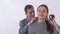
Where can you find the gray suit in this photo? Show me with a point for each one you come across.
(23, 26)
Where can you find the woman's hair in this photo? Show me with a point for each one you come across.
(49, 28)
(43, 6)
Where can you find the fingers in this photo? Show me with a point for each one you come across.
(52, 17)
(33, 19)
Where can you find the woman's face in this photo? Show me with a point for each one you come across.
(42, 12)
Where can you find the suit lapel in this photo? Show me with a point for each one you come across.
(27, 20)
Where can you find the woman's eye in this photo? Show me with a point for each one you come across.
(43, 11)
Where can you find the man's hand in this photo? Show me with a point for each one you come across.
(34, 19)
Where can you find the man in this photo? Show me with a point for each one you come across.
(30, 14)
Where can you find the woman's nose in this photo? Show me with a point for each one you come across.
(41, 12)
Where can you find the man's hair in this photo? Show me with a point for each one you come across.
(27, 7)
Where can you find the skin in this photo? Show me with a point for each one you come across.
(30, 13)
(42, 14)
(56, 25)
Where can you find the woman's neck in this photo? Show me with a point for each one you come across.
(41, 20)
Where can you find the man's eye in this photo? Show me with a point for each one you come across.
(33, 11)
(30, 12)
(39, 11)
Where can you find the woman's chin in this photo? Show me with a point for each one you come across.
(41, 18)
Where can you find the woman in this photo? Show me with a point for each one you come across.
(42, 25)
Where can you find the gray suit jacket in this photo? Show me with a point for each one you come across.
(23, 26)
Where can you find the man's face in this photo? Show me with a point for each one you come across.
(30, 12)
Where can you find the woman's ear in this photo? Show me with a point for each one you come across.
(46, 18)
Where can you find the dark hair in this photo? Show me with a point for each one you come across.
(27, 7)
(44, 6)
(49, 28)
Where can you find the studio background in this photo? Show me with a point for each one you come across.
(12, 11)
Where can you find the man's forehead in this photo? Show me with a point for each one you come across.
(31, 9)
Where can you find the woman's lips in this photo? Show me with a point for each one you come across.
(41, 15)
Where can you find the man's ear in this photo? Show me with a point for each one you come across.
(26, 14)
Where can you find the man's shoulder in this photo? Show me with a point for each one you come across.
(23, 20)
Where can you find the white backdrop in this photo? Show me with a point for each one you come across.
(12, 11)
